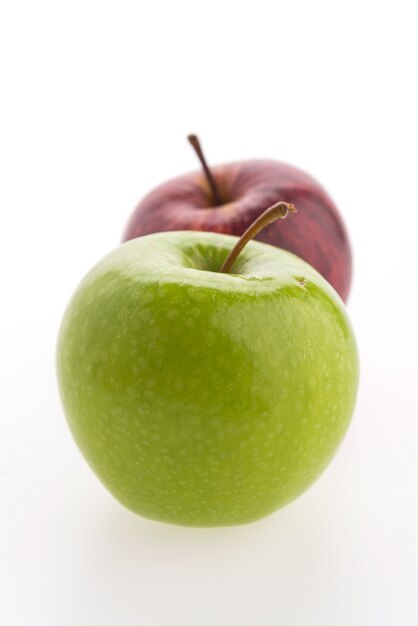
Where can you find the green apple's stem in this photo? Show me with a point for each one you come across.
(194, 141)
(278, 211)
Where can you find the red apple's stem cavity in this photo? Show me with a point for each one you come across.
(194, 141)
(278, 211)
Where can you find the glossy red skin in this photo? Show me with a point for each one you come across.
(316, 233)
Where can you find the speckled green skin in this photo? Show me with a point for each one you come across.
(202, 398)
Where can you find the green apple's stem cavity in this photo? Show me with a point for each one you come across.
(278, 211)
(194, 141)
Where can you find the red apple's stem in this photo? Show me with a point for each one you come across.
(193, 139)
(275, 212)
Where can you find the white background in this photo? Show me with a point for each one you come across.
(96, 100)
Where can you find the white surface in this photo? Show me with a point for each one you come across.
(96, 101)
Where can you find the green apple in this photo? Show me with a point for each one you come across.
(206, 398)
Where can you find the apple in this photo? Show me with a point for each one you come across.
(228, 198)
(206, 383)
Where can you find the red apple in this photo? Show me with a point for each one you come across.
(228, 198)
